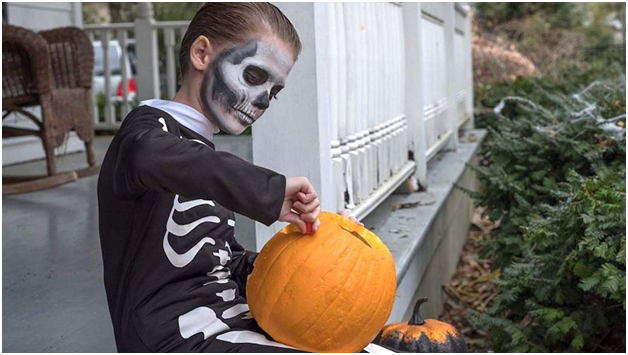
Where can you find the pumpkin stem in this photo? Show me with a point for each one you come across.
(416, 318)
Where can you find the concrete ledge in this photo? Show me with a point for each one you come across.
(426, 240)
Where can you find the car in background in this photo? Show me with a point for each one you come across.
(114, 51)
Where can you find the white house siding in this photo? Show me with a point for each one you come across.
(38, 16)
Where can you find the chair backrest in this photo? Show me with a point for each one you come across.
(26, 69)
(72, 57)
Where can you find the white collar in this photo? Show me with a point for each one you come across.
(186, 116)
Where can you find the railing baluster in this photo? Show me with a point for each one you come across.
(91, 36)
(171, 76)
(122, 40)
(334, 95)
(120, 32)
(348, 138)
(362, 123)
(109, 112)
(367, 186)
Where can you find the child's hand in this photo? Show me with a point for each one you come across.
(300, 204)
(347, 213)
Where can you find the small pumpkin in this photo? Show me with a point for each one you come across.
(422, 335)
(330, 291)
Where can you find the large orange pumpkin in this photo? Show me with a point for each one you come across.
(331, 291)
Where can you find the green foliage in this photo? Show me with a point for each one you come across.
(98, 12)
(554, 175)
(559, 14)
(560, 39)
(553, 94)
(591, 19)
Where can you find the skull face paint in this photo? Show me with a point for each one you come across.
(242, 80)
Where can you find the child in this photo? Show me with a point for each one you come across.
(174, 274)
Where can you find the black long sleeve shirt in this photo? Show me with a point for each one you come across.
(174, 273)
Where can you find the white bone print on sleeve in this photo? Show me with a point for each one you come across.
(163, 124)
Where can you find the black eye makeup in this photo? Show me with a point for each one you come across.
(255, 75)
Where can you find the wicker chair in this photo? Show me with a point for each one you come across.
(51, 69)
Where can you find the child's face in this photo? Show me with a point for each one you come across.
(238, 86)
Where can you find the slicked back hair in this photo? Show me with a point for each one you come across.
(236, 22)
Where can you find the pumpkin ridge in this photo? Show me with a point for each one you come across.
(296, 272)
(378, 304)
(331, 270)
(263, 278)
(437, 331)
(339, 293)
(371, 303)
(342, 321)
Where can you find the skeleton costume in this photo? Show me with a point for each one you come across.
(175, 276)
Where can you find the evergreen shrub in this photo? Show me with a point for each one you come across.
(553, 174)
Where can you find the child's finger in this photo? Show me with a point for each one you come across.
(294, 218)
(347, 214)
(355, 220)
(306, 208)
(312, 216)
(307, 198)
(315, 225)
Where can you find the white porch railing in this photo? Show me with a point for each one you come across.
(153, 41)
(379, 89)
(365, 94)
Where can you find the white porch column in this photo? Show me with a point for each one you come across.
(147, 52)
(293, 137)
(414, 94)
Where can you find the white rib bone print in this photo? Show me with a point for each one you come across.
(181, 260)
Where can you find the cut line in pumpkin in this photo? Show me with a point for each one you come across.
(357, 235)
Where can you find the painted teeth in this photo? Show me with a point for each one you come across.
(244, 118)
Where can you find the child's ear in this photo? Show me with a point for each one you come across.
(201, 53)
